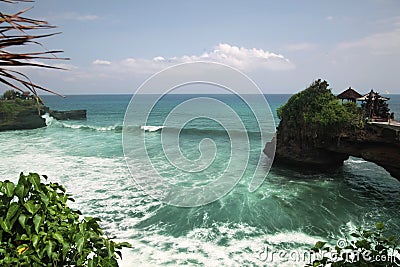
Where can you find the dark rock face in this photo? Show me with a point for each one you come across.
(29, 118)
(69, 114)
(375, 143)
(25, 119)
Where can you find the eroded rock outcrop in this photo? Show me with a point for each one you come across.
(23, 120)
(68, 114)
(25, 115)
(318, 132)
(375, 143)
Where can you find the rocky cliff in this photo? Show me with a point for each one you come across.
(23, 115)
(79, 114)
(24, 119)
(318, 132)
(375, 143)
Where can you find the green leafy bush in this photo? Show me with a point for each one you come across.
(11, 108)
(37, 228)
(6, 107)
(25, 103)
(317, 108)
(370, 248)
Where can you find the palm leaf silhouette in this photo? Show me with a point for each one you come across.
(19, 31)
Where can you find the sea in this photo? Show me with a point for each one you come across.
(275, 225)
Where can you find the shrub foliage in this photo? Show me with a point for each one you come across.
(37, 228)
(369, 248)
(316, 108)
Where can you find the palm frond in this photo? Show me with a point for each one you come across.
(17, 30)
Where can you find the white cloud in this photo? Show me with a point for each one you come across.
(329, 18)
(243, 58)
(158, 59)
(383, 43)
(128, 73)
(380, 43)
(107, 74)
(74, 16)
(238, 57)
(101, 62)
(87, 17)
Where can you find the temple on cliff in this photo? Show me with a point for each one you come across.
(349, 95)
(375, 106)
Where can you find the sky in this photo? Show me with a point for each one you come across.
(283, 46)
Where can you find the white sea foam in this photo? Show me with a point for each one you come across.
(102, 187)
(52, 122)
(355, 160)
(91, 127)
(99, 186)
(200, 247)
(49, 119)
(149, 128)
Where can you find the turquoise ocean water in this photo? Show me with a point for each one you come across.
(290, 211)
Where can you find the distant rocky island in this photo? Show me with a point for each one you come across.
(318, 132)
(23, 111)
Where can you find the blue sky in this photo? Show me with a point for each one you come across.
(283, 46)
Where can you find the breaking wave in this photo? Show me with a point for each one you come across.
(53, 123)
(151, 128)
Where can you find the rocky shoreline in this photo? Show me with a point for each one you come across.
(79, 114)
(24, 120)
(31, 118)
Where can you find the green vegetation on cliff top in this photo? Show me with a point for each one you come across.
(9, 109)
(317, 108)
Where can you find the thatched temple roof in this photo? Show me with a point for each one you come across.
(349, 94)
